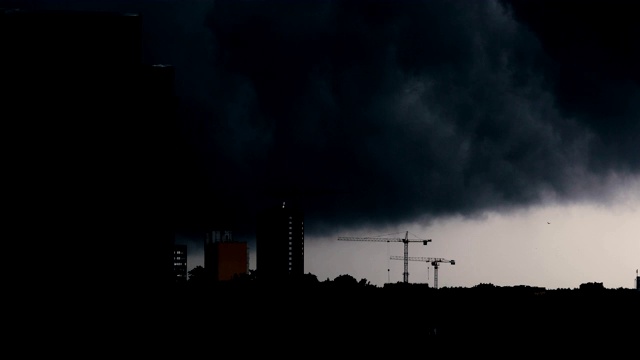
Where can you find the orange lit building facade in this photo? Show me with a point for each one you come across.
(225, 258)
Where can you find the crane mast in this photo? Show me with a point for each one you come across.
(405, 240)
(434, 261)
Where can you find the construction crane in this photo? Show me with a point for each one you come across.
(405, 240)
(434, 261)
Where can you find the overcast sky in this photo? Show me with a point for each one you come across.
(471, 123)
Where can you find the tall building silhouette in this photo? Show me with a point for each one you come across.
(280, 242)
(225, 258)
(88, 125)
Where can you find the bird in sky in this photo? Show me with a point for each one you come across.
(548, 222)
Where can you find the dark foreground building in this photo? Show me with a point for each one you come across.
(86, 128)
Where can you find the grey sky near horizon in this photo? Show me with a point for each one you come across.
(583, 243)
(473, 123)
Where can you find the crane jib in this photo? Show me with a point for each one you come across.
(405, 241)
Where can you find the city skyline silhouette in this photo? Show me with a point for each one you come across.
(505, 131)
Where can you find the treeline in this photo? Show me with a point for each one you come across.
(198, 279)
(306, 305)
(484, 298)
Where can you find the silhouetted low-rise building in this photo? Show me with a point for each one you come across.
(180, 262)
(225, 258)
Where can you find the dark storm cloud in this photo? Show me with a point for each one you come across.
(380, 112)
(407, 109)
(595, 49)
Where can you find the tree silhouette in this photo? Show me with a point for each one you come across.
(197, 275)
(310, 279)
(345, 280)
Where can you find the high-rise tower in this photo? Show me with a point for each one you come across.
(280, 242)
